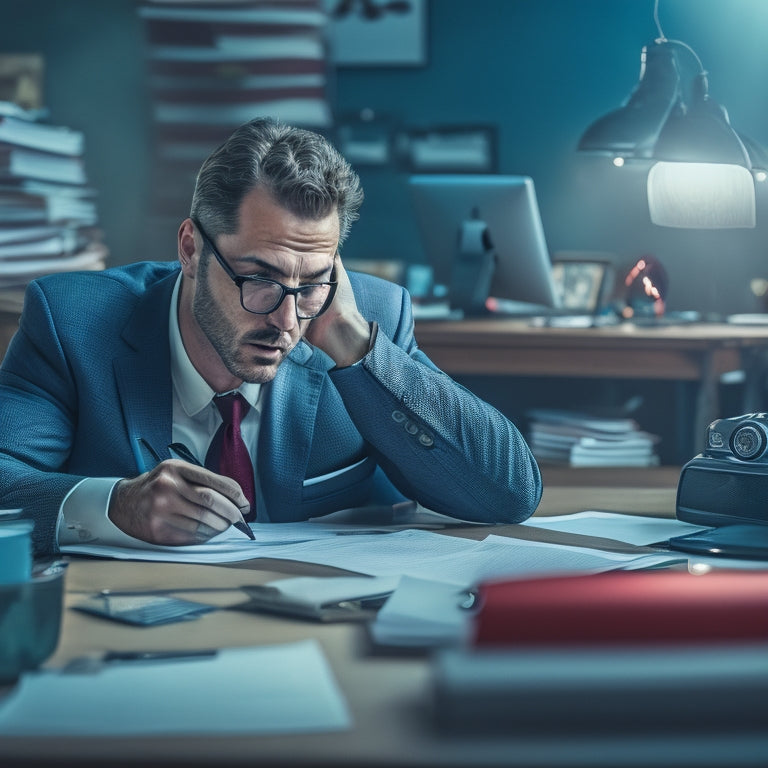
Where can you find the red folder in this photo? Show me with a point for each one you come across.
(624, 607)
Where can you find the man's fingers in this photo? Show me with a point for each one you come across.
(204, 532)
(176, 503)
(202, 480)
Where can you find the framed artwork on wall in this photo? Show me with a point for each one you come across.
(21, 79)
(448, 149)
(367, 33)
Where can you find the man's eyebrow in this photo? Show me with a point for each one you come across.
(273, 270)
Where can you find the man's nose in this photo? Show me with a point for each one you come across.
(284, 317)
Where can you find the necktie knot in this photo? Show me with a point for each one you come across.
(233, 407)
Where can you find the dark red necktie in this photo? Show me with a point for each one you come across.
(228, 454)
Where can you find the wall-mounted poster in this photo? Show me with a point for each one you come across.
(377, 32)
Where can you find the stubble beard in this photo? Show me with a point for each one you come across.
(231, 348)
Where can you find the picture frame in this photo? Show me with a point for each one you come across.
(21, 79)
(582, 284)
(365, 138)
(448, 149)
(369, 33)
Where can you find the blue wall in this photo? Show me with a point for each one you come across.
(540, 70)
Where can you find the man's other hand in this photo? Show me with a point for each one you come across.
(341, 331)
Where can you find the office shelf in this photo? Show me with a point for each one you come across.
(612, 477)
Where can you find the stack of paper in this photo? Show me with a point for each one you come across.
(585, 440)
(47, 213)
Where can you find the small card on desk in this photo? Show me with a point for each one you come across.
(144, 610)
(335, 598)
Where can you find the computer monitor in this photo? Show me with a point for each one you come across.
(508, 208)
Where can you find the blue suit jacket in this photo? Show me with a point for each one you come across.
(88, 375)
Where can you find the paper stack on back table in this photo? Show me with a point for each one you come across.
(586, 440)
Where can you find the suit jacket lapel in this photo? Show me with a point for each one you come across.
(287, 425)
(143, 374)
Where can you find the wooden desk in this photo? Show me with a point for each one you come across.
(698, 353)
(388, 695)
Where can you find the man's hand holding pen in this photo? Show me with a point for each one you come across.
(176, 503)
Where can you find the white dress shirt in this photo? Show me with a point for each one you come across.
(83, 516)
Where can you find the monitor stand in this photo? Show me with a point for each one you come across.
(473, 268)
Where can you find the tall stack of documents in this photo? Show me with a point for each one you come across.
(585, 440)
(47, 212)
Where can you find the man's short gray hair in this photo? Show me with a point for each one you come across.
(302, 171)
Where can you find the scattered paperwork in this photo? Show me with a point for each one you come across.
(270, 689)
(418, 553)
(631, 529)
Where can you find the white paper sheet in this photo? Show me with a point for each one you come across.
(631, 529)
(270, 689)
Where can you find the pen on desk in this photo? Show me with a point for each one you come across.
(112, 656)
(183, 452)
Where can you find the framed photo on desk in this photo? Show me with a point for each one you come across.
(582, 283)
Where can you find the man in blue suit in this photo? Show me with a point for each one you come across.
(111, 370)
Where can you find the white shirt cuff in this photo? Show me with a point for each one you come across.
(84, 519)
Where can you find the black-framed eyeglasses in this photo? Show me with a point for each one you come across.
(261, 295)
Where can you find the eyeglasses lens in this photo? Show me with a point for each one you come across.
(264, 297)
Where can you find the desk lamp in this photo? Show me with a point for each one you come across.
(703, 172)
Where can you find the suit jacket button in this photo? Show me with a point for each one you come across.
(411, 427)
(398, 416)
(426, 440)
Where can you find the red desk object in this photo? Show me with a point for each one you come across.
(624, 607)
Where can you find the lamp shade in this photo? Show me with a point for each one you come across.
(700, 133)
(701, 175)
(633, 128)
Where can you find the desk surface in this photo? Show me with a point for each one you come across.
(388, 696)
(509, 346)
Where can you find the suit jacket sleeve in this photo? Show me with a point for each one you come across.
(61, 418)
(37, 418)
(436, 441)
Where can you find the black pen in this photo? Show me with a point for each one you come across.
(183, 452)
(112, 656)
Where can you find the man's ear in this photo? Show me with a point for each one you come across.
(189, 248)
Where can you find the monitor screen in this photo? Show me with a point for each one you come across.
(508, 207)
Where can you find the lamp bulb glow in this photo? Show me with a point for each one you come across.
(701, 196)
(618, 161)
